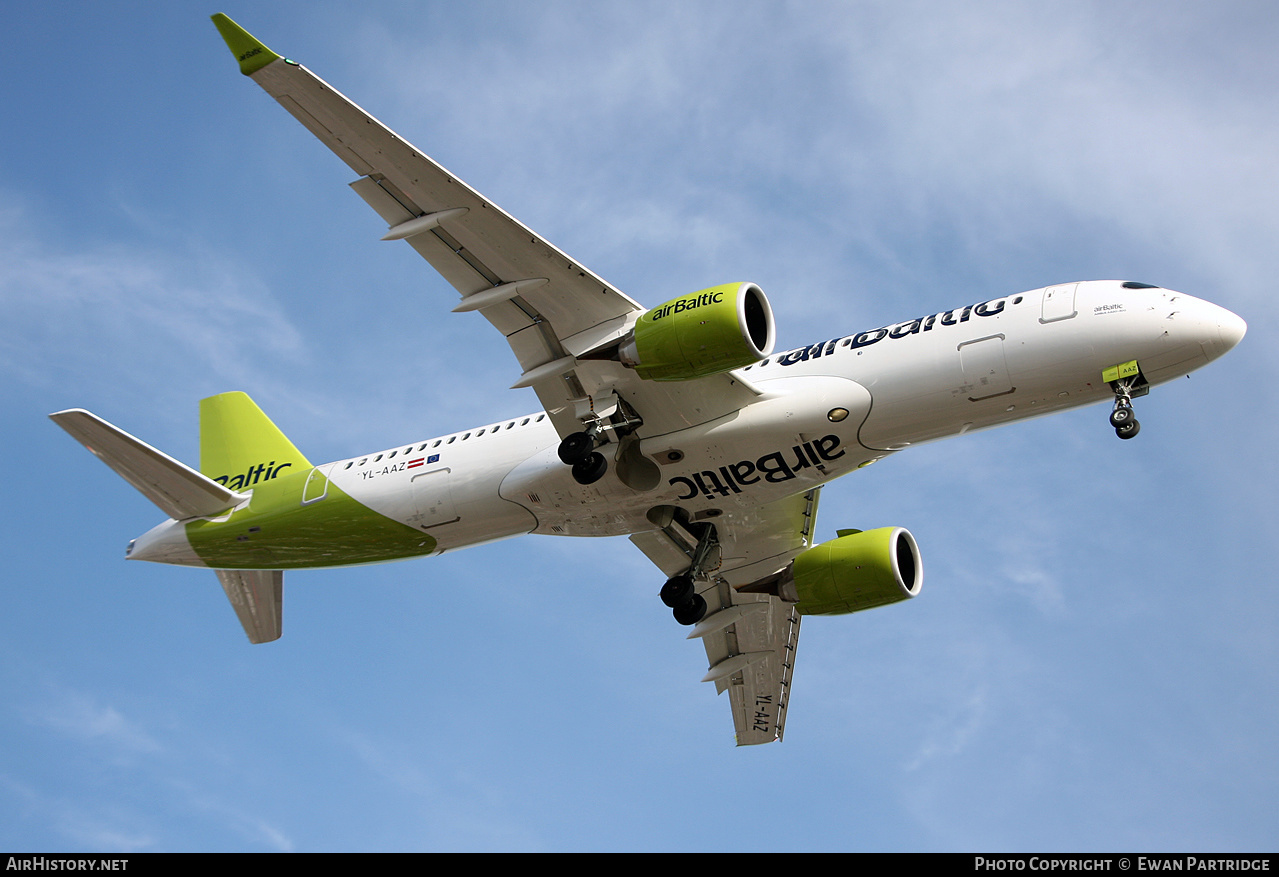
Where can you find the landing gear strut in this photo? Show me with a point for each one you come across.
(679, 592)
(1127, 382)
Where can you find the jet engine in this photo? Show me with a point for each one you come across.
(859, 570)
(706, 333)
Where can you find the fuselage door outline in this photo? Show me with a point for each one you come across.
(317, 484)
(985, 368)
(433, 499)
(1059, 303)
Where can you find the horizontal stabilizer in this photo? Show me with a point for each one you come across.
(179, 491)
(257, 596)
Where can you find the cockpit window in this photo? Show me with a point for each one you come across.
(1132, 284)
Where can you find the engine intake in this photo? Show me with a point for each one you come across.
(706, 333)
(859, 570)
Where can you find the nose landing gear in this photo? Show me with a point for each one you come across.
(1123, 419)
(1127, 382)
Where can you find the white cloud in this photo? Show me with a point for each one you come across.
(83, 718)
(106, 316)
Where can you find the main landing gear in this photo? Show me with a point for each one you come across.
(578, 448)
(679, 592)
(688, 606)
(1127, 382)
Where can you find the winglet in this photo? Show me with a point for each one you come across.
(251, 54)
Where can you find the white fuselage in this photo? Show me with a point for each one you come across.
(822, 411)
(923, 379)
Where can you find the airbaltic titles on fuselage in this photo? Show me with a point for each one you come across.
(900, 330)
(773, 468)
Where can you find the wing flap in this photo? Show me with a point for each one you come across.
(179, 491)
(760, 693)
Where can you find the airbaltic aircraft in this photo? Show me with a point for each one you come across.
(676, 426)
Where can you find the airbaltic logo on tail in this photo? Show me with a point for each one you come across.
(256, 474)
(687, 304)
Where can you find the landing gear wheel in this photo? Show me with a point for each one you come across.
(590, 468)
(575, 447)
(1128, 430)
(1120, 416)
(677, 590)
(692, 611)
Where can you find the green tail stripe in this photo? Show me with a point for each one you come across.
(239, 445)
(251, 54)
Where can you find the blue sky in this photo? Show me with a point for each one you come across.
(1092, 664)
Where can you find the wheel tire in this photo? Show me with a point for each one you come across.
(590, 468)
(575, 447)
(1120, 416)
(692, 611)
(677, 590)
(1128, 430)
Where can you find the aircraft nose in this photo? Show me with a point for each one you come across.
(1230, 327)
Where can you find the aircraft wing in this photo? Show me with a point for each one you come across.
(750, 636)
(549, 307)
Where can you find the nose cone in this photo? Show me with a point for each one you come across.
(1218, 329)
(1230, 328)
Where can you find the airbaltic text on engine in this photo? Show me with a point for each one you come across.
(687, 304)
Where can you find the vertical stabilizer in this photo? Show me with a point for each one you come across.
(257, 596)
(240, 446)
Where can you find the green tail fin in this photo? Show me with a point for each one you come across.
(240, 446)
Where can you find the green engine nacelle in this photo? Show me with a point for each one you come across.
(712, 331)
(858, 571)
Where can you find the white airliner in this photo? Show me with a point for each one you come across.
(677, 426)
